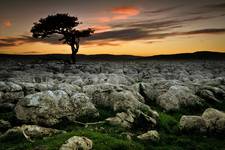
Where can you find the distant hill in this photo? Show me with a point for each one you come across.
(202, 55)
(206, 55)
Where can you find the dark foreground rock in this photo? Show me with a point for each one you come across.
(212, 121)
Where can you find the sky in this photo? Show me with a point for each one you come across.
(122, 27)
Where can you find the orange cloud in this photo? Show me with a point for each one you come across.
(126, 10)
(119, 17)
(120, 13)
(103, 19)
(7, 24)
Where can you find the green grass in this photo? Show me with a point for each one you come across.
(106, 137)
(110, 138)
(168, 123)
(102, 141)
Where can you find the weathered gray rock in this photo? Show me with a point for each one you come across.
(152, 135)
(193, 123)
(12, 97)
(44, 86)
(119, 79)
(117, 97)
(9, 87)
(10, 92)
(68, 88)
(32, 131)
(211, 121)
(82, 107)
(49, 107)
(215, 120)
(212, 93)
(135, 119)
(123, 119)
(177, 97)
(77, 143)
(31, 88)
(207, 95)
(28, 88)
(148, 90)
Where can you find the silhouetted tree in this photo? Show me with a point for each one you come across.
(62, 24)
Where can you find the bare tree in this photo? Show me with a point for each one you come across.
(64, 25)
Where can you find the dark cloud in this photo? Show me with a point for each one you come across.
(215, 6)
(106, 38)
(15, 41)
(206, 31)
(137, 34)
(216, 10)
(163, 10)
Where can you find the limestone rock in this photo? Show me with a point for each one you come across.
(122, 119)
(193, 123)
(68, 88)
(77, 143)
(9, 87)
(135, 119)
(115, 97)
(215, 120)
(152, 135)
(212, 94)
(211, 121)
(49, 107)
(177, 97)
(32, 131)
(12, 97)
(10, 92)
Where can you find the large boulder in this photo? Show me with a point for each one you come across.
(177, 97)
(212, 93)
(211, 121)
(77, 143)
(156, 88)
(116, 97)
(215, 120)
(50, 107)
(192, 123)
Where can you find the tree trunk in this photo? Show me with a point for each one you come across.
(74, 53)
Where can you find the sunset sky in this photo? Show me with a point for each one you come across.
(131, 27)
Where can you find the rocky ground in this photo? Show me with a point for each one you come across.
(111, 105)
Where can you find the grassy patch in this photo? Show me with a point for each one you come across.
(168, 123)
(107, 137)
(102, 141)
